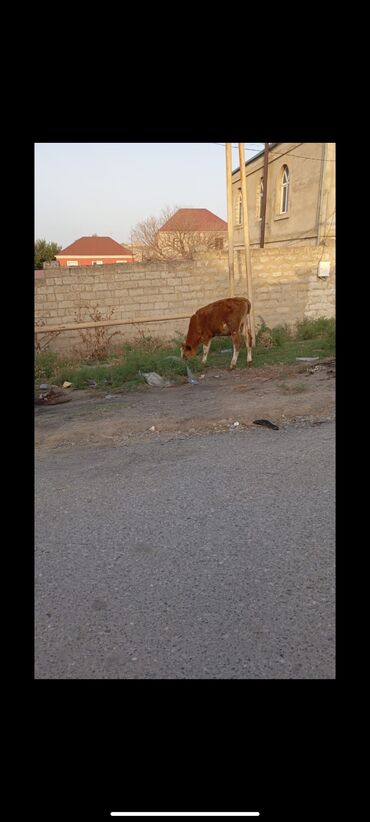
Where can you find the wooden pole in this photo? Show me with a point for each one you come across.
(230, 218)
(248, 266)
(264, 201)
(319, 226)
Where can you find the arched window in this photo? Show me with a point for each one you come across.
(284, 197)
(239, 209)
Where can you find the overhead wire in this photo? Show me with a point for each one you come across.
(276, 156)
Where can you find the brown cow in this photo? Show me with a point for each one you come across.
(229, 318)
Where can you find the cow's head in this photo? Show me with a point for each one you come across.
(187, 351)
(189, 347)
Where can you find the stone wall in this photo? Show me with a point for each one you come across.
(286, 288)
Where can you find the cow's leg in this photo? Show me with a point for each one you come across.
(245, 329)
(205, 351)
(236, 343)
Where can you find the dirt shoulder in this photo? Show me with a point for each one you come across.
(279, 393)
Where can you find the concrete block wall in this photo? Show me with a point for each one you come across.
(286, 288)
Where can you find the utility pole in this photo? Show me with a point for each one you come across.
(319, 219)
(230, 217)
(264, 201)
(248, 266)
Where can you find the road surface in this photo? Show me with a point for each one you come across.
(197, 557)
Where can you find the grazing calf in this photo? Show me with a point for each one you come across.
(227, 318)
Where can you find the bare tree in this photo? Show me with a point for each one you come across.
(178, 242)
(146, 234)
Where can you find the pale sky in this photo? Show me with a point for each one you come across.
(107, 188)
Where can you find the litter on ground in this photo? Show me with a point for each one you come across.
(191, 377)
(266, 423)
(154, 379)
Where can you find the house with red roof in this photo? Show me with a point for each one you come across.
(94, 251)
(191, 229)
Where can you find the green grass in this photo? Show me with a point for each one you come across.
(117, 370)
(323, 327)
(122, 366)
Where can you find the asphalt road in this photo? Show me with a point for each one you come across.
(206, 557)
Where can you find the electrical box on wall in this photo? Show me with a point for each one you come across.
(324, 270)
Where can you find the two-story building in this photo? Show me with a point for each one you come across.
(191, 229)
(300, 207)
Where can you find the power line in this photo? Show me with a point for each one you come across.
(302, 157)
(305, 236)
(276, 156)
(254, 146)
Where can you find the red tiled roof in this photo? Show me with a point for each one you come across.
(194, 219)
(94, 246)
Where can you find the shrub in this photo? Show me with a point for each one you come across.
(309, 329)
(280, 334)
(261, 332)
(265, 339)
(46, 363)
(96, 341)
